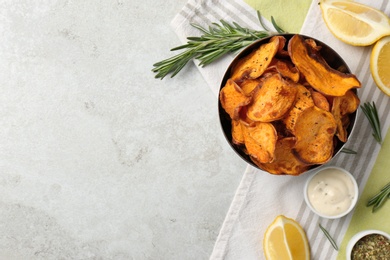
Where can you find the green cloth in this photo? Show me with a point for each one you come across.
(281, 11)
(363, 218)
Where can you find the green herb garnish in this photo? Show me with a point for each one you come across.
(328, 236)
(380, 198)
(372, 115)
(217, 41)
(349, 151)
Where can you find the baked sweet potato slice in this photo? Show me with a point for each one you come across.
(282, 52)
(249, 85)
(303, 100)
(341, 108)
(237, 133)
(244, 118)
(341, 131)
(273, 100)
(285, 162)
(317, 72)
(314, 131)
(345, 104)
(253, 65)
(345, 121)
(320, 100)
(232, 99)
(282, 42)
(287, 70)
(260, 141)
(313, 45)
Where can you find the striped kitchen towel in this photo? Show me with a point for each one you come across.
(260, 197)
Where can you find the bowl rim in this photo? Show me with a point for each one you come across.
(354, 201)
(359, 235)
(223, 115)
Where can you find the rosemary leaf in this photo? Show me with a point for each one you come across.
(371, 114)
(328, 236)
(380, 198)
(387, 186)
(261, 21)
(278, 29)
(216, 41)
(349, 151)
(373, 200)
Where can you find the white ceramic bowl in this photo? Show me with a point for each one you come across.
(360, 235)
(354, 200)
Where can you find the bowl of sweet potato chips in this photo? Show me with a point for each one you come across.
(288, 104)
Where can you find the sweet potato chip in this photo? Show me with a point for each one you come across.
(260, 141)
(313, 45)
(314, 130)
(253, 65)
(320, 100)
(272, 100)
(249, 85)
(237, 133)
(346, 120)
(287, 70)
(317, 72)
(346, 104)
(282, 42)
(244, 118)
(233, 99)
(303, 100)
(341, 131)
(341, 108)
(285, 162)
(282, 52)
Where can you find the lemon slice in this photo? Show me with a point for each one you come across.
(285, 239)
(380, 64)
(354, 23)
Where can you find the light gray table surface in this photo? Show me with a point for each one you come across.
(99, 160)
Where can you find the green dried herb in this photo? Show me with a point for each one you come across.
(374, 246)
(380, 198)
(372, 115)
(329, 237)
(216, 41)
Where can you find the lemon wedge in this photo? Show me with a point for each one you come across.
(380, 64)
(353, 23)
(285, 239)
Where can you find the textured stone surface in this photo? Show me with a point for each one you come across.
(99, 160)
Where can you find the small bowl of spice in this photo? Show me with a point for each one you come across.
(369, 244)
(331, 192)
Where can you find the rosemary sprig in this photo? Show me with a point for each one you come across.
(372, 115)
(216, 41)
(380, 198)
(328, 236)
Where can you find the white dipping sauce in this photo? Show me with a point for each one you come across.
(331, 192)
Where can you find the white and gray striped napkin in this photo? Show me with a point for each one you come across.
(260, 197)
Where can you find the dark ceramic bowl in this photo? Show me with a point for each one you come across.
(333, 59)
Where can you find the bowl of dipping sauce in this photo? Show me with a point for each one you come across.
(369, 244)
(331, 192)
